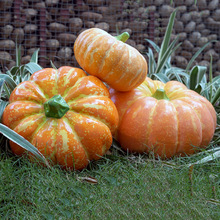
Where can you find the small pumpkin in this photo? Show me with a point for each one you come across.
(166, 119)
(66, 114)
(118, 64)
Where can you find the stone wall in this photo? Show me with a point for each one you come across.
(53, 25)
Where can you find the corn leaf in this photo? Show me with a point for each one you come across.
(177, 72)
(210, 78)
(13, 71)
(1, 85)
(10, 82)
(53, 66)
(156, 47)
(166, 40)
(163, 78)
(3, 104)
(34, 57)
(197, 54)
(166, 55)
(214, 83)
(18, 139)
(170, 72)
(151, 62)
(214, 156)
(26, 77)
(216, 97)
(32, 67)
(7, 90)
(18, 54)
(196, 75)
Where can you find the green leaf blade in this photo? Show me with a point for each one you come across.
(197, 54)
(196, 75)
(9, 81)
(32, 67)
(18, 139)
(34, 57)
(167, 36)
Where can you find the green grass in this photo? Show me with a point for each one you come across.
(129, 187)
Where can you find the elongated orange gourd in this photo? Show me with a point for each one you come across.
(66, 114)
(166, 119)
(118, 64)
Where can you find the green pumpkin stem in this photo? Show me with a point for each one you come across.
(160, 94)
(123, 37)
(56, 107)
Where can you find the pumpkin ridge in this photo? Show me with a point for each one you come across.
(65, 82)
(54, 141)
(134, 80)
(97, 90)
(130, 105)
(105, 57)
(178, 130)
(150, 121)
(25, 128)
(213, 113)
(193, 122)
(80, 41)
(26, 118)
(9, 123)
(85, 97)
(89, 45)
(144, 88)
(200, 116)
(45, 149)
(46, 84)
(127, 69)
(38, 128)
(98, 119)
(72, 87)
(149, 86)
(138, 76)
(77, 136)
(115, 67)
(66, 77)
(163, 143)
(40, 125)
(28, 101)
(33, 89)
(91, 58)
(84, 39)
(45, 95)
(177, 95)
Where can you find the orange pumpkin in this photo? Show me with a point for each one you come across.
(167, 119)
(66, 114)
(118, 64)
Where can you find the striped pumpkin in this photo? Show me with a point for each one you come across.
(166, 119)
(118, 64)
(66, 114)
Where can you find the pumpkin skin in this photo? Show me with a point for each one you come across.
(118, 64)
(178, 126)
(84, 133)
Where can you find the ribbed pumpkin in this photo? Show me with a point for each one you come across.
(66, 114)
(166, 119)
(110, 59)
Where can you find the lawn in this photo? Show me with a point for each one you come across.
(121, 187)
